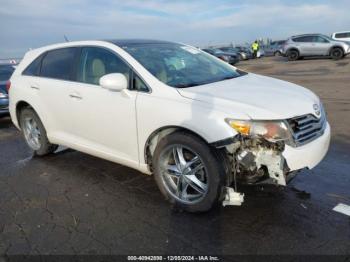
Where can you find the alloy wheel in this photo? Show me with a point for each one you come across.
(31, 132)
(184, 174)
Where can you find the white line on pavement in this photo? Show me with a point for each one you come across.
(342, 208)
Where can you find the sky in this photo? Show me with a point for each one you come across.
(26, 24)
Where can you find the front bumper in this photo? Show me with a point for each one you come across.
(308, 155)
(258, 161)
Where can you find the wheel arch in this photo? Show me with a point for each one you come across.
(335, 46)
(293, 49)
(19, 107)
(154, 138)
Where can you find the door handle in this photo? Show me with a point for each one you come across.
(34, 87)
(75, 95)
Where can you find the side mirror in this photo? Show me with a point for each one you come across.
(114, 82)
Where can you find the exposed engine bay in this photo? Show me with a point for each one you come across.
(255, 161)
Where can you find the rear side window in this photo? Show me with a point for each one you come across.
(34, 68)
(58, 63)
(303, 39)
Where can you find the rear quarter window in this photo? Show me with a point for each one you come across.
(34, 68)
(58, 63)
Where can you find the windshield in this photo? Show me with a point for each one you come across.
(5, 72)
(181, 66)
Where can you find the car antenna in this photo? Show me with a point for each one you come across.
(65, 38)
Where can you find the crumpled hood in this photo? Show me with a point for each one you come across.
(257, 97)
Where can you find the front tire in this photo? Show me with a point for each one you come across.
(337, 53)
(35, 133)
(188, 172)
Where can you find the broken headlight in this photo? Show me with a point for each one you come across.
(272, 131)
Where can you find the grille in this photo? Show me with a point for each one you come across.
(307, 128)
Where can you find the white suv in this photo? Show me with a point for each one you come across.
(198, 124)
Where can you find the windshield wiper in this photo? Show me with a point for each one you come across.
(227, 77)
(204, 82)
(187, 85)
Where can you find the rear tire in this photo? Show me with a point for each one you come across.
(277, 53)
(35, 133)
(293, 55)
(188, 172)
(337, 53)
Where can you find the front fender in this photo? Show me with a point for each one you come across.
(155, 113)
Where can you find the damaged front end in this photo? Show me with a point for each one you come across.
(257, 161)
(255, 155)
(253, 161)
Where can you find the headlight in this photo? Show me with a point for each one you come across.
(272, 131)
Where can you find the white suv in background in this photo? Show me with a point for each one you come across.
(342, 36)
(197, 123)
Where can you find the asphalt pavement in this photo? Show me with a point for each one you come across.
(73, 203)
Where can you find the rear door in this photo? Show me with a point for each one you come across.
(305, 45)
(53, 87)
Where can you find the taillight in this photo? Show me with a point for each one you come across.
(8, 86)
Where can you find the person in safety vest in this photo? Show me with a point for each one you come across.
(255, 48)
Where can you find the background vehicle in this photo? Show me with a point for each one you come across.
(275, 48)
(314, 45)
(246, 50)
(6, 71)
(342, 36)
(260, 53)
(229, 57)
(241, 54)
(222, 115)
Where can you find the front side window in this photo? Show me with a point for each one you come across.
(96, 62)
(180, 66)
(320, 39)
(58, 63)
(139, 85)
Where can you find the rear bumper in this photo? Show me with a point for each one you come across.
(309, 155)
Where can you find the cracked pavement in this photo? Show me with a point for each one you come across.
(73, 203)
